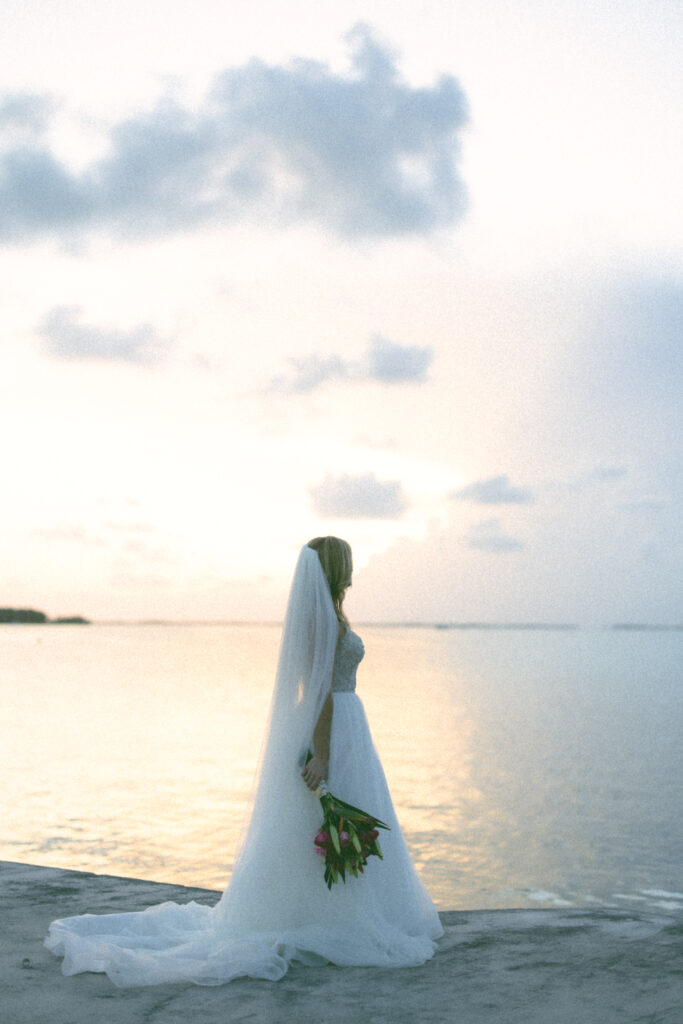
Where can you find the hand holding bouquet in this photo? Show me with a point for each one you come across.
(347, 837)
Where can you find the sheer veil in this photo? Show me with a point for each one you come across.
(276, 884)
(302, 683)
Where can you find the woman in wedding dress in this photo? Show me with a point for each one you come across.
(277, 908)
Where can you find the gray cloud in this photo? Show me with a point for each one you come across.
(385, 361)
(488, 535)
(310, 373)
(496, 490)
(396, 364)
(358, 497)
(67, 338)
(27, 112)
(363, 154)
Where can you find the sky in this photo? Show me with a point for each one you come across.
(406, 274)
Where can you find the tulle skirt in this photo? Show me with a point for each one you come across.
(277, 908)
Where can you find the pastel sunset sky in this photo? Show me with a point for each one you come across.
(405, 273)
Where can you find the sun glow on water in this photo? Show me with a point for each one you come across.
(515, 758)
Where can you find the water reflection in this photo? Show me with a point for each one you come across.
(520, 764)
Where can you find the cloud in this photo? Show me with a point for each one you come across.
(487, 535)
(385, 361)
(312, 372)
(496, 490)
(364, 154)
(27, 112)
(358, 497)
(396, 364)
(66, 338)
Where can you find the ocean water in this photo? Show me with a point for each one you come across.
(528, 767)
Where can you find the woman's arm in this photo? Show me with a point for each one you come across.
(318, 766)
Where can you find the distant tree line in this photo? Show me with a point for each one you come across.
(31, 616)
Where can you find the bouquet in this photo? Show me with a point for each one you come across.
(347, 837)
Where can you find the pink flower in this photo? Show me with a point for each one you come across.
(321, 839)
(319, 850)
(344, 838)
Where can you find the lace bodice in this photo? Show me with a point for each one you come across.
(347, 658)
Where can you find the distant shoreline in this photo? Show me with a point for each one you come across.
(30, 617)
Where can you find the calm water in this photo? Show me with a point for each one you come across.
(528, 768)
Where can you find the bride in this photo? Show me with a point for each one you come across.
(277, 908)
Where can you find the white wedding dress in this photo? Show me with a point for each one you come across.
(277, 908)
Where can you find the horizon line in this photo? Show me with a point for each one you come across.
(409, 624)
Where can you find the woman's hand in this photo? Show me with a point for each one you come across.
(314, 772)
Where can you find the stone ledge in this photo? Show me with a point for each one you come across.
(493, 966)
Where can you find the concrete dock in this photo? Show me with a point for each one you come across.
(495, 966)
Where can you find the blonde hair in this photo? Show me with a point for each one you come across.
(337, 563)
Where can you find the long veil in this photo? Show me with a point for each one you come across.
(275, 876)
(302, 683)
